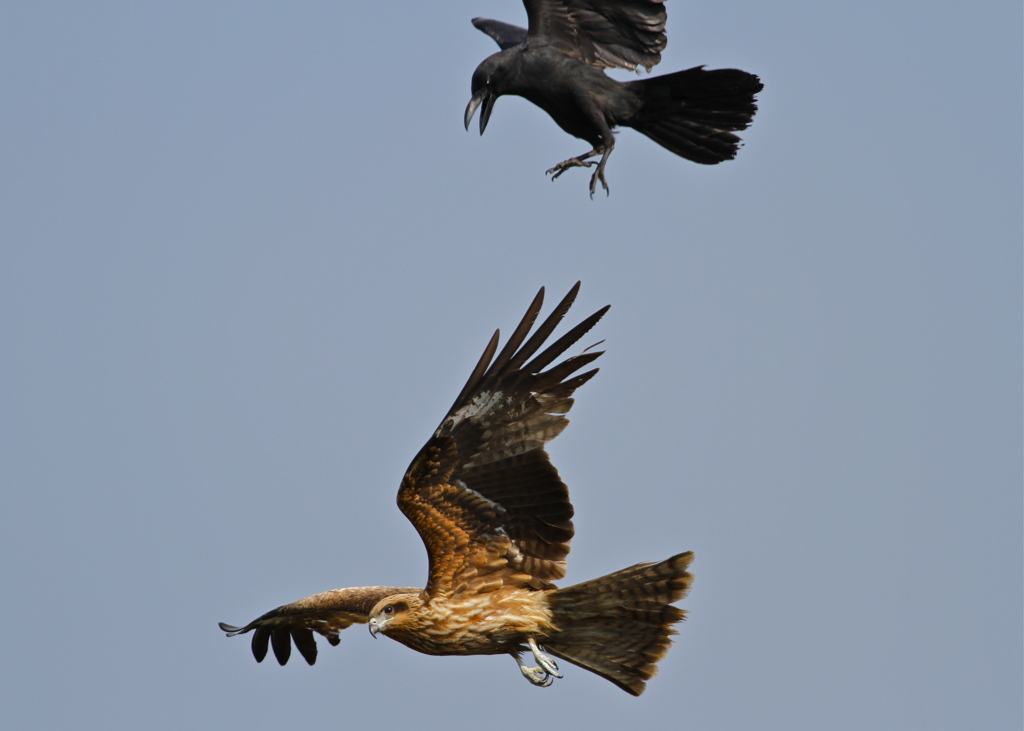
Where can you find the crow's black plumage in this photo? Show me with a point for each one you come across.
(558, 64)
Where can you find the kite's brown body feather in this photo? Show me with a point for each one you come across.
(491, 623)
(496, 521)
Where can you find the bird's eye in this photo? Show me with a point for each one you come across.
(389, 610)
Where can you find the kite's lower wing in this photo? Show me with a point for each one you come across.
(327, 613)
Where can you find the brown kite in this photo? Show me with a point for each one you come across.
(496, 521)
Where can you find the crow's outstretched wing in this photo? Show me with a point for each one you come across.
(604, 33)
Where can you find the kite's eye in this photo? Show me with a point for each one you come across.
(389, 610)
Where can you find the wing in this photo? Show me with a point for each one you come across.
(505, 35)
(483, 494)
(327, 613)
(604, 33)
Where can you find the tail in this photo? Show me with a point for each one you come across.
(619, 626)
(694, 113)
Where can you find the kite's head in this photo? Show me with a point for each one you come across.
(394, 614)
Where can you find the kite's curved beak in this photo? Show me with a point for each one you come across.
(482, 96)
(374, 628)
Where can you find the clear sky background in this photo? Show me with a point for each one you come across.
(248, 256)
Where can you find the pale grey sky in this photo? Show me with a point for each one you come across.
(248, 256)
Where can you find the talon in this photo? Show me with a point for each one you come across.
(539, 676)
(573, 162)
(549, 665)
(584, 161)
(536, 676)
(599, 175)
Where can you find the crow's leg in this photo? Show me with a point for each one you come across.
(599, 174)
(574, 162)
(584, 161)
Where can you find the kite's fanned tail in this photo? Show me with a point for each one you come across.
(619, 626)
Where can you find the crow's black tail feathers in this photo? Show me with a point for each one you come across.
(694, 113)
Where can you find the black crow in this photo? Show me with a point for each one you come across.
(558, 64)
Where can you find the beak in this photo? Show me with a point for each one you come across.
(374, 628)
(485, 97)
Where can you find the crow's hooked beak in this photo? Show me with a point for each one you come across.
(483, 96)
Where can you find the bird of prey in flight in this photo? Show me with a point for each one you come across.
(558, 64)
(496, 521)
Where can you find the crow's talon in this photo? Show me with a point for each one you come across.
(573, 162)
